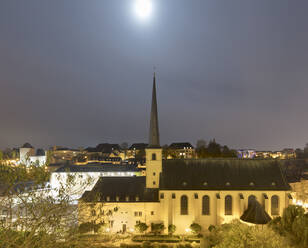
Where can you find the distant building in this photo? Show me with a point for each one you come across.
(63, 154)
(300, 190)
(104, 150)
(287, 153)
(77, 179)
(28, 155)
(134, 149)
(246, 153)
(182, 150)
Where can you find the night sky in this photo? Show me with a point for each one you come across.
(78, 73)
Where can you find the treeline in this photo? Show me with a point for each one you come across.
(9, 154)
(214, 150)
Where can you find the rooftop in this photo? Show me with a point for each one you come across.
(222, 174)
(98, 168)
(121, 189)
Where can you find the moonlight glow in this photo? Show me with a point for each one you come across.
(143, 8)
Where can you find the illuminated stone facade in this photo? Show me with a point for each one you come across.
(183, 191)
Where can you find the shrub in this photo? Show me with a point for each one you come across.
(195, 228)
(157, 228)
(289, 215)
(86, 227)
(171, 229)
(237, 235)
(293, 224)
(141, 227)
(102, 228)
(146, 244)
(211, 228)
(300, 229)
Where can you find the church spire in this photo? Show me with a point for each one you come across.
(154, 131)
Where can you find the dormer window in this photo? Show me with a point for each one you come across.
(251, 184)
(184, 184)
(228, 184)
(153, 156)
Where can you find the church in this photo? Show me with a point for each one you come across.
(184, 191)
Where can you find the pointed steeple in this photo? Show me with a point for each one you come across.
(154, 131)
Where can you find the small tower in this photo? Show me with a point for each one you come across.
(153, 151)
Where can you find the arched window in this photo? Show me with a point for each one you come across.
(251, 199)
(184, 205)
(228, 205)
(206, 205)
(275, 205)
(153, 156)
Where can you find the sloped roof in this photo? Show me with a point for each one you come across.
(180, 145)
(119, 188)
(91, 149)
(40, 152)
(107, 148)
(222, 174)
(138, 146)
(27, 145)
(101, 168)
(255, 214)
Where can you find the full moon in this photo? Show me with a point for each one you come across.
(143, 8)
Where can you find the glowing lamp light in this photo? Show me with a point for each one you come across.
(107, 229)
(131, 230)
(143, 8)
(187, 230)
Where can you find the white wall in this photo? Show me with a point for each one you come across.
(76, 183)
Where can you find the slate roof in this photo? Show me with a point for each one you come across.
(40, 152)
(107, 148)
(91, 149)
(27, 145)
(222, 174)
(180, 145)
(100, 168)
(255, 214)
(138, 146)
(117, 189)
